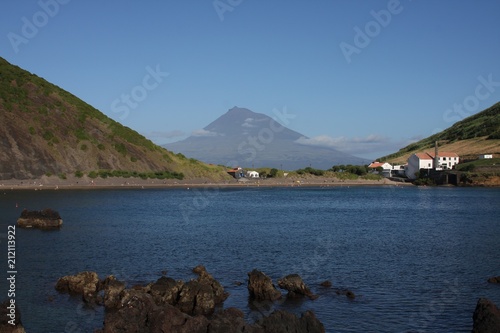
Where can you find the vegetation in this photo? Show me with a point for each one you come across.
(312, 171)
(485, 124)
(471, 166)
(44, 115)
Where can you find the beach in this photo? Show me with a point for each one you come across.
(86, 183)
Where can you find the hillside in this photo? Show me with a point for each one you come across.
(474, 135)
(45, 130)
(241, 137)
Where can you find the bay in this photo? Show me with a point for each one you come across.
(417, 258)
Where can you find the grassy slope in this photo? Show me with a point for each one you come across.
(45, 129)
(474, 135)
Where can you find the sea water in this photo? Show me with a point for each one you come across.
(417, 258)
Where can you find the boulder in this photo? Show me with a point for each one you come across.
(231, 320)
(295, 286)
(166, 290)
(486, 317)
(261, 287)
(282, 321)
(494, 279)
(326, 284)
(9, 316)
(112, 289)
(84, 283)
(202, 295)
(350, 294)
(42, 219)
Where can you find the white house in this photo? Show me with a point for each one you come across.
(419, 161)
(484, 156)
(252, 174)
(386, 167)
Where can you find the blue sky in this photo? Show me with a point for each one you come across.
(365, 77)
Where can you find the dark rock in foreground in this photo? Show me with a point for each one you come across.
(84, 283)
(168, 306)
(295, 286)
(486, 317)
(10, 318)
(282, 321)
(494, 279)
(42, 219)
(261, 287)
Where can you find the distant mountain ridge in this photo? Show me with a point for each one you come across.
(46, 130)
(474, 135)
(245, 138)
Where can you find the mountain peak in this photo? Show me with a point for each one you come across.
(252, 138)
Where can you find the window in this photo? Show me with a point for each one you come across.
(444, 158)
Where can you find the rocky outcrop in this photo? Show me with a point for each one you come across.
(494, 279)
(85, 283)
(171, 306)
(282, 321)
(295, 286)
(42, 219)
(261, 287)
(486, 317)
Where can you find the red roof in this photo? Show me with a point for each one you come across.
(430, 156)
(375, 164)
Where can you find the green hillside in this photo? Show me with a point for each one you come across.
(47, 130)
(477, 134)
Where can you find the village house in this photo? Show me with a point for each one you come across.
(386, 168)
(485, 156)
(446, 160)
(237, 173)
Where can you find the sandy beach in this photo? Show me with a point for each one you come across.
(86, 183)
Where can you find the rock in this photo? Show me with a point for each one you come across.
(326, 284)
(486, 317)
(282, 321)
(495, 279)
(139, 313)
(295, 286)
(261, 287)
(196, 298)
(112, 292)
(10, 316)
(346, 292)
(166, 290)
(43, 219)
(207, 279)
(200, 296)
(84, 283)
(199, 269)
(230, 320)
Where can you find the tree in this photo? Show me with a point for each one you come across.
(273, 172)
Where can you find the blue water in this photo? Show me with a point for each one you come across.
(416, 258)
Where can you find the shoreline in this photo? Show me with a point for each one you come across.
(84, 183)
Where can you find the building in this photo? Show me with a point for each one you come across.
(419, 161)
(237, 173)
(252, 174)
(485, 156)
(386, 168)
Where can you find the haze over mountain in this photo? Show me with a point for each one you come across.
(45, 130)
(245, 138)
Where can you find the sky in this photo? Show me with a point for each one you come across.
(364, 77)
